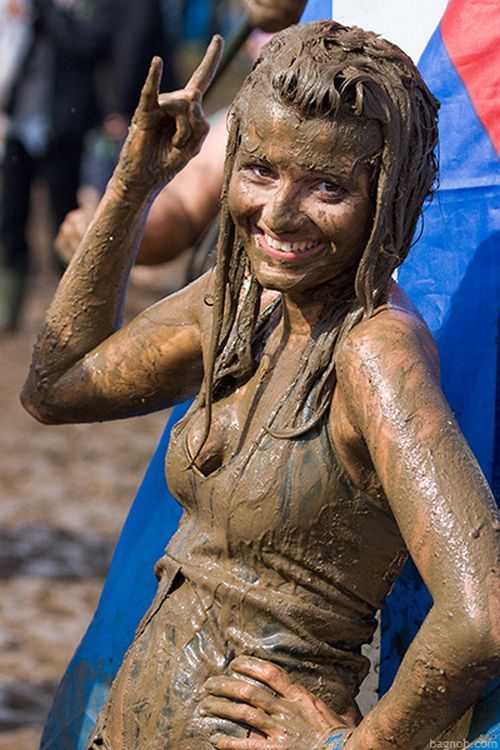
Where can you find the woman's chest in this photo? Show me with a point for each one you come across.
(240, 418)
(244, 477)
(281, 502)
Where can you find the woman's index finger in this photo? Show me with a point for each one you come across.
(266, 672)
(151, 88)
(202, 76)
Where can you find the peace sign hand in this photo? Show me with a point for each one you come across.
(167, 130)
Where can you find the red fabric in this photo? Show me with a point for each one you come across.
(471, 33)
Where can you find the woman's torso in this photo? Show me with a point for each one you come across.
(293, 560)
(278, 555)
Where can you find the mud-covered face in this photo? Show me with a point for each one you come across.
(299, 196)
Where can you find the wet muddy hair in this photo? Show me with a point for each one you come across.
(325, 70)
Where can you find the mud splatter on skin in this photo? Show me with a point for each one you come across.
(288, 544)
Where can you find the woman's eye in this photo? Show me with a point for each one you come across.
(260, 170)
(332, 189)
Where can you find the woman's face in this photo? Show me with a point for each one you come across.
(299, 197)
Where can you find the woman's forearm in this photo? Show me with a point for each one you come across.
(447, 666)
(87, 306)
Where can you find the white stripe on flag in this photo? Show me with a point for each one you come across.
(409, 25)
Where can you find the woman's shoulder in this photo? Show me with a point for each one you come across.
(395, 336)
(380, 361)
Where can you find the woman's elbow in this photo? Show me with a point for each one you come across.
(485, 613)
(37, 406)
(487, 641)
(477, 633)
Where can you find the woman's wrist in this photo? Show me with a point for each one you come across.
(334, 739)
(135, 193)
(131, 187)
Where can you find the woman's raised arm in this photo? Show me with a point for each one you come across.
(83, 368)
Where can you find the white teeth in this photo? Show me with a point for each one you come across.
(289, 247)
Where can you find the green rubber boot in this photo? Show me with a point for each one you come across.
(12, 285)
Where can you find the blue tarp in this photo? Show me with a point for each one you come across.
(453, 276)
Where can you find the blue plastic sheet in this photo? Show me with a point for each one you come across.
(453, 276)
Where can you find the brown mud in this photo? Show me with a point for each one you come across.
(224, 536)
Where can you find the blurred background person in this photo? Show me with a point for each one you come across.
(140, 31)
(177, 31)
(15, 34)
(51, 104)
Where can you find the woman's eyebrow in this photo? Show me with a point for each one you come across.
(325, 172)
(247, 153)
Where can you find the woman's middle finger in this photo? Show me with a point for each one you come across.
(243, 691)
(204, 73)
(243, 713)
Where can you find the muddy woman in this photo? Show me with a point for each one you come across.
(319, 451)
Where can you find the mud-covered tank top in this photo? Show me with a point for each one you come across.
(296, 563)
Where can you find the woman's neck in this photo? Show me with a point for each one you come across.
(300, 317)
(303, 311)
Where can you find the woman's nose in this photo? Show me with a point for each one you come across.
(281, 212)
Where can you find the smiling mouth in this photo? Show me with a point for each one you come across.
(287, 250)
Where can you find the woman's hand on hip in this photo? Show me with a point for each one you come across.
(168, 129)
(279, 713)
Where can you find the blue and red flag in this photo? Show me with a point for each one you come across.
(452, 275)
